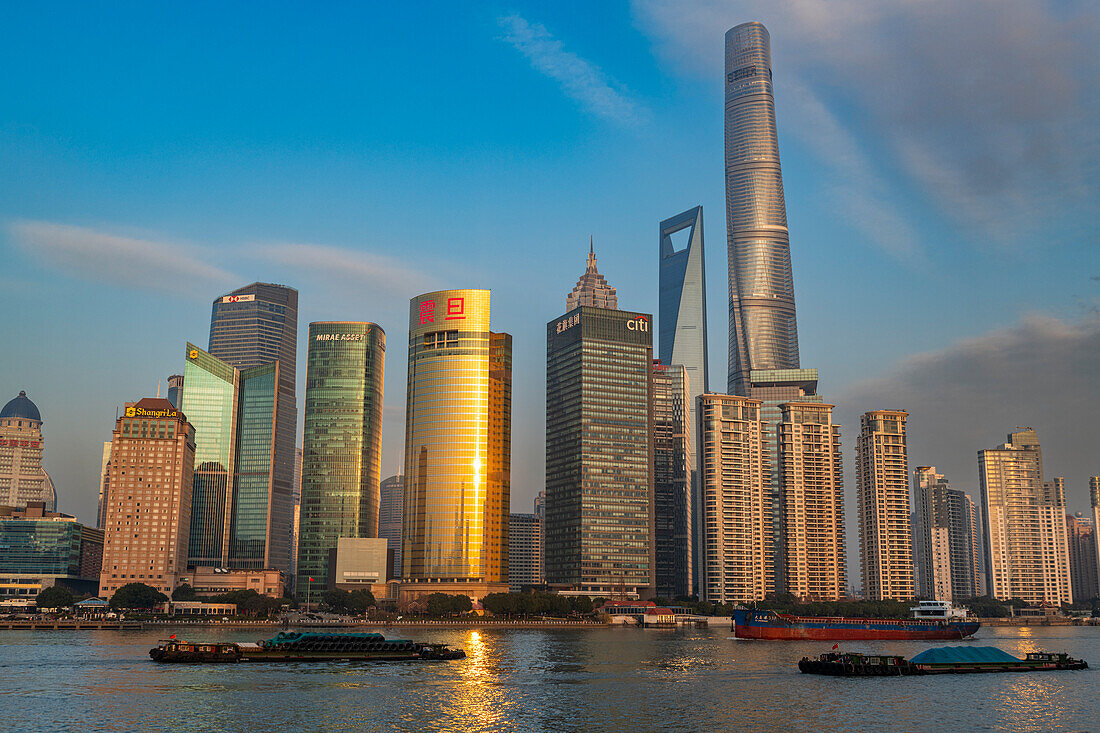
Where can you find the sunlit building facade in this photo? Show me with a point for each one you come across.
(148, 516)
(946, 539)
(22, 443)
(235, 416)
(882, 500)
(813, 556)
(1023, 520)
(255, 326)
(342, 442)
(592, 289)
(599, 531)
(736, 516)
(457, 447)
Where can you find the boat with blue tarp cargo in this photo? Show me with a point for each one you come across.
(941, 660)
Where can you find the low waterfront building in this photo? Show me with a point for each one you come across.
(40, 549)
(208, 580)
(358, 563)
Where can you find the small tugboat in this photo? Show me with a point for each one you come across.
(944, 660)
(305, 647)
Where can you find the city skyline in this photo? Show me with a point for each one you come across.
(44, 237)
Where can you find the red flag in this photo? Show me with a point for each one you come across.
(311, 579)
(836, 646)
(173, 636)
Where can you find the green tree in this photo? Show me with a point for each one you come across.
(137, 595)
(443, 604)
(184, 592)
(57, 596)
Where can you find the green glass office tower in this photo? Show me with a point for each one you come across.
(232, 498)
(599, 536)
(342, 444)
(250, 327)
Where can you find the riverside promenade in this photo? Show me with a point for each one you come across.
(97, 624)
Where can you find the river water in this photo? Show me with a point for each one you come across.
(613, 679)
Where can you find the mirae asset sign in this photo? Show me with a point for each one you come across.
(341, 336)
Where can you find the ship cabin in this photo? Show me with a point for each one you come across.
(937, 611)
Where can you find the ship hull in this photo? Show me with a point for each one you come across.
(781, 627)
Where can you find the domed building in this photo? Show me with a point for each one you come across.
(22, 478)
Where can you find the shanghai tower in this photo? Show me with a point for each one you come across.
(762, 330)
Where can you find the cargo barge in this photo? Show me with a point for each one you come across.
(769, 625)
(944, 660)
(305, 646)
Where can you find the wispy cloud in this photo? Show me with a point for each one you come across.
(364, 271)
(988, 107)
(579, 78)
(142, 264)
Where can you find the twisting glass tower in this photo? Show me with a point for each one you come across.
(763, 333)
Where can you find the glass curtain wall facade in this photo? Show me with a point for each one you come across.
(391, 505)
(342, 443)
(251, 536)
(763, 334)
(599, 533)
(253, 326)
(210, 403)
(457, 444)
(683, 294)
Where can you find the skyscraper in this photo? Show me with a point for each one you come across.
(683, 301)
(342, 442)
(736, 515)
(254, 326)
(457, 447)
(672, 496)
(148, 515)
(1081, 538)
(1094, 501)
(390, 506)
(763, 332)
(599, 532)
(104, 483)
(524, 552)
(22, 443)
(234, 413)
(885, 532)
(175, 388)
(592, 289)
(945, 538)
(811, 493)
(1023, 520)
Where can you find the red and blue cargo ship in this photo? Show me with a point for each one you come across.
(760, 624)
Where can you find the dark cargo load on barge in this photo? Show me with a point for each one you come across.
(305, 646)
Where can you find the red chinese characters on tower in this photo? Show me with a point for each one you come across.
(427, 311)
(456, 309)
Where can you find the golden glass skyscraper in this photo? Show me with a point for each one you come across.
(457, 447)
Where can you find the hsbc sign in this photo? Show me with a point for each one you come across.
(238, 298)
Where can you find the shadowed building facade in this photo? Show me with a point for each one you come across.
(391, 504)
(457, 448)
(1081, 539)
(673, 502)
(253, 326)
(341, 445)
(1024, 523)
(599, 532)
(945, 538)
(882, 499)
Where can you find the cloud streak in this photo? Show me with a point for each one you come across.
(365, 271)
(580, 79)
(129, 262)
(988, 107)
(968, 396)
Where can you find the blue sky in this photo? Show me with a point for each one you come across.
(940, 168)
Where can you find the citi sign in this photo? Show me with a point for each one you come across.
(641, 323)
